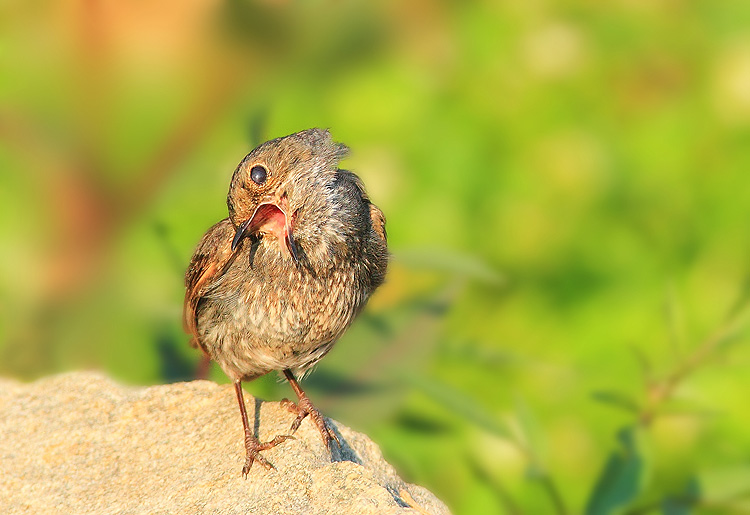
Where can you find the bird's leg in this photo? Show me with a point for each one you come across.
(304, 408)
(252, 445)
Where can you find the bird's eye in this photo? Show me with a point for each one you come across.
(258, 174)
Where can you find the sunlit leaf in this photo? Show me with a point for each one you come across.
(727, 483)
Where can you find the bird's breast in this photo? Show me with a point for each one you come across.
(285, 302)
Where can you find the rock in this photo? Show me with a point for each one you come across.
(80, 443)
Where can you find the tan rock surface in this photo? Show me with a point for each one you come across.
(80, 443)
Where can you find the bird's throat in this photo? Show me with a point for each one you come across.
(269, 219)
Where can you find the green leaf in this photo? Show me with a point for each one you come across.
(617, 399)
(458, 403)
(620, 481)
(445, 260)
(681, 503)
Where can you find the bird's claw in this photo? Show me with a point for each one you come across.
(305, 408)
(253, 448)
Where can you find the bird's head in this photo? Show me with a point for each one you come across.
(279, 189)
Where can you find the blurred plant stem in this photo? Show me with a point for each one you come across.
(518, 430)
(659, 392)
(622, 483)
(505, 499)
(522, 431)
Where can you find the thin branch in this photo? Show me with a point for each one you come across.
(663, 390)
(553, 492)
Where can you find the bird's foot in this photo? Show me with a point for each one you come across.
(253, 448)
(304, 408)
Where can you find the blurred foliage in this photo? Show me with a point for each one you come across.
(567, 193)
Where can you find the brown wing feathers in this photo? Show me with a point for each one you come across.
(209, 262)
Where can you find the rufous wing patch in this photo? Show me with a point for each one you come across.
(209, 262)
(378, 220)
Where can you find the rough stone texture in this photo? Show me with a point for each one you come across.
(80, 443)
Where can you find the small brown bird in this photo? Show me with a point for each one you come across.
(274, 285)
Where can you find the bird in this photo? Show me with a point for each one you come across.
(273, 286)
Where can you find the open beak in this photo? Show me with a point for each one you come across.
(271, 217)
(241, 233)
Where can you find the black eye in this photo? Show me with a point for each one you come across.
(258, 174)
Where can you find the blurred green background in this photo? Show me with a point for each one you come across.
(567, 187)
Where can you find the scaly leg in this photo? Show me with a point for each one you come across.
(304, 408)
(252, 445)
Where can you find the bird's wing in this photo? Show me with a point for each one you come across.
(209, 262)
(377, 218)
(378, 221)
